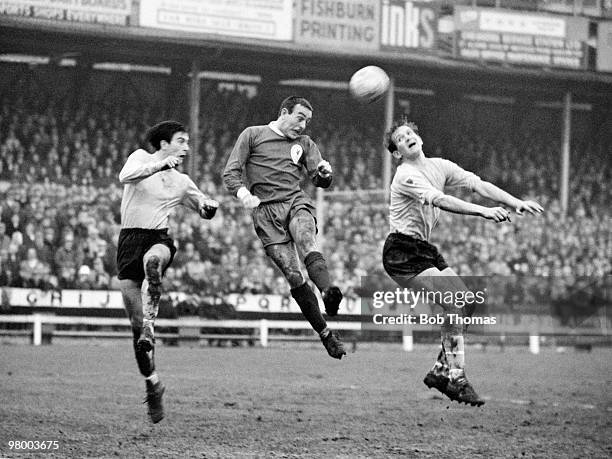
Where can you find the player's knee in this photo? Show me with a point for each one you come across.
(306, 242)
(152, 266)
(294, 278)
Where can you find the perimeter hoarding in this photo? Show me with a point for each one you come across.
(344, 26)
(264, 19)
(409, 25)
(367, 25)
(116, 12)
(604, 47)
(521, 38)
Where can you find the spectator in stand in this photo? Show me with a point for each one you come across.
(101, 279)
(32, 270)
(15, 223)
(11, 265)
(196, 271)
(46, 252)
(84, 279)
(68, 260)
(182, 257)
(5, 239)
(28, 237)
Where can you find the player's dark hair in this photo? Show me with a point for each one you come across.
(163, 131)
(388, 142)
(292, 101)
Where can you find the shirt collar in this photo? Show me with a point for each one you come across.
(274, 126)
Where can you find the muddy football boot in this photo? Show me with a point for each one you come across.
(437, 381)
(154, 401)
(460, 390)
(334, 346)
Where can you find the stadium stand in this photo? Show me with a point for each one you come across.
(53, 151)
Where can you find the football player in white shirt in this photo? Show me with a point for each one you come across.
(417, 195)
(152, 187)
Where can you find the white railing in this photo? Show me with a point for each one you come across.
(261, 328)
(189, 329)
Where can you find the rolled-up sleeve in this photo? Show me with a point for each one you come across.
(232, 174)
(416, 186)
(456, 177)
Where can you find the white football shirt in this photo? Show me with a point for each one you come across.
(415, 189)
(149, 196)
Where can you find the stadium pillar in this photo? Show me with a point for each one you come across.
(389, 105)
(263, 332)
(534, 344)
(37, 330)
(407, 341)
(321, 212)
(268, 94)
(194, 118)
(565, 152)
(82, 76)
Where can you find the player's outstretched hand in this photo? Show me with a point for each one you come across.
(497, 214)
(529, 206)
(249, 201)
(170, 162)
(324, 168)
(208, 209)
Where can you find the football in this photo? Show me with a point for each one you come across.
(369, 84)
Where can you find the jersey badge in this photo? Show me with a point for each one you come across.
(296, 153)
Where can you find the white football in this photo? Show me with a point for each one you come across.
(369, 84)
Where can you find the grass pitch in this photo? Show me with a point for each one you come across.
(294, 401)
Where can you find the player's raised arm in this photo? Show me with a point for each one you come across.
(319, 170)
(490, 191)
(418, 187)
(459, 206)
(196, 200)
(139, 166)
(232, 174)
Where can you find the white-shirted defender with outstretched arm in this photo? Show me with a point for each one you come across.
(152, 188)
(417, 195)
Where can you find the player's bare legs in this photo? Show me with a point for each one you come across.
(304, 232)
(132, 300)
(286, 259)
(451, 359)
(155, 259)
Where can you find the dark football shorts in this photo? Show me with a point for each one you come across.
(271, 220)
(132, 246)
(406, 256)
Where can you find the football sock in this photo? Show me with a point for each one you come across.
(455, 352)
(456, 373)
(308, 303)
(441, 365)
(145, 360)
(151, 289)
(317, 270)
(325, 332)
(150, 304)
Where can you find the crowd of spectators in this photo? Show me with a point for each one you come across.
(59, 216)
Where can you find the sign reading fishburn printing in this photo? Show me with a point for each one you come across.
(521, 38)
(408, 25)
(338, 25)
(265, 19)
(115, 12)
